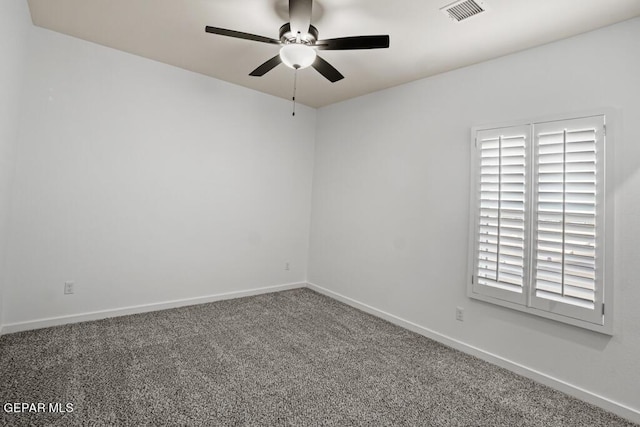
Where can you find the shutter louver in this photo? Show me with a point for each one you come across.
(501, 239)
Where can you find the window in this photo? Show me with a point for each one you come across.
(539, 220)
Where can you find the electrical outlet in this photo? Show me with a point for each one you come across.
(286, 266)
(69, 288)
(460, 314)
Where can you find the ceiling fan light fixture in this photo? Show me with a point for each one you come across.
(297, 55)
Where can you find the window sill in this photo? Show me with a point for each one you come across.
(606, 329)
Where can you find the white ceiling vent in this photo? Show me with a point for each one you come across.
(463, 9)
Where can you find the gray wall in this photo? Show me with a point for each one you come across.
(391, 203)
(14, 26)
(145, 183)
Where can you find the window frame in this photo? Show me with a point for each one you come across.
(607, 213)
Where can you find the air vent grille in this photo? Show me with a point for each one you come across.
(461, 10)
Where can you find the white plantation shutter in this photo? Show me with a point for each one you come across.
(537, 231)
(501, 233)
(568, 218)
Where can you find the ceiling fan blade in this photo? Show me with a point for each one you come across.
(356, 42)
(327, 70)
(240, 35)
(266, 67)
(300, 16)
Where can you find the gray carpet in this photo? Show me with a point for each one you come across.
(288, 358)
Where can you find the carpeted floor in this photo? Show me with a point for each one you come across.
(289, 358)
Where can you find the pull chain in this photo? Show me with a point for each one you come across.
(295, 84)
(295, 77)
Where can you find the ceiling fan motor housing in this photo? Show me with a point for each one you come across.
(287, 36)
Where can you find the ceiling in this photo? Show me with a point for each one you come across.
(424, 41)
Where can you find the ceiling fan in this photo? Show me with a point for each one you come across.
(299, 41)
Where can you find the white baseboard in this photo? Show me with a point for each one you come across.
(563, 386)
(103, 314)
